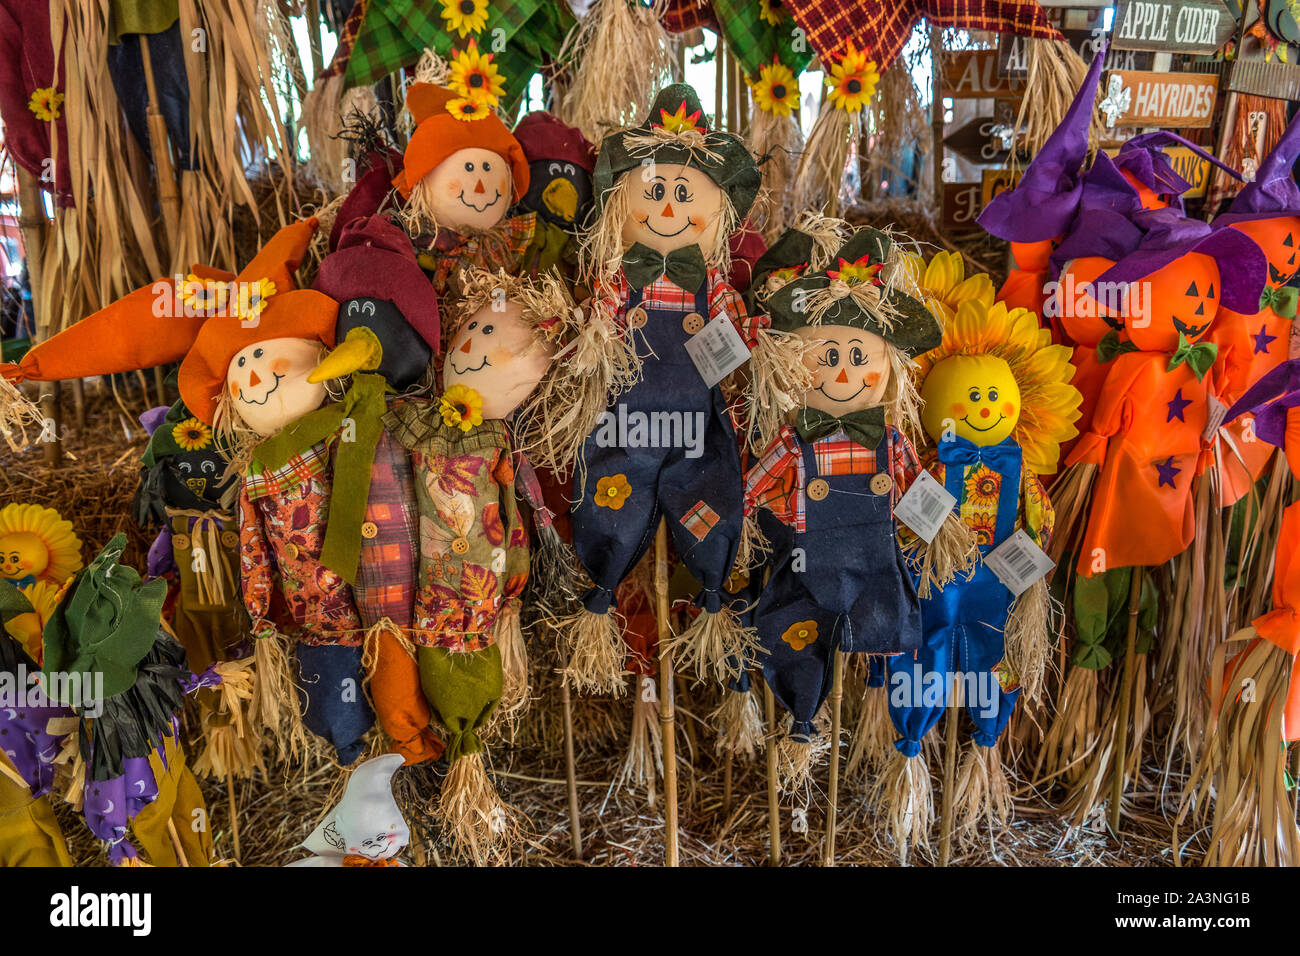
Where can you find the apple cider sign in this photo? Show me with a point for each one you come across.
(1178, 26)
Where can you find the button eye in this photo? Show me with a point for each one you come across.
(993, 394)
(469, 167)
(974, 394)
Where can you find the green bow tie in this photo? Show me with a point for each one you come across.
(1199, 357)
(866, 427)
(1110, 347)
(685, 267)
(1283, 301)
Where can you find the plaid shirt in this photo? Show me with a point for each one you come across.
(445, 254)
(777, 481)
(663, 293)
(385, 582)
(259, 483)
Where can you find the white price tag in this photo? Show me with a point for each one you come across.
(925, 506)
(1018, 562)
(1215, 412)
(717, 350)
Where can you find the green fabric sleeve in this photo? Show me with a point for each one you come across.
(463, 688)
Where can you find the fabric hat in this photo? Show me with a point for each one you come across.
(1144, 158)
(911, 328)
(106, 623)
(366, 810)
(1168, 236)
(163, 440)
(374, 260)
(295, 313)
(1273, 192)
(678, 122)
(792, 250)
(1048, 194)
(439, 133)
(12, 602)
(543, 135)
(375, 174)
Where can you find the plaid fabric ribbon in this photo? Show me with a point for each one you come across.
(447, 252)
(682, 16)
(338, 64)
(755, 42)
(882, 29)
(261, 481)
(700, 520)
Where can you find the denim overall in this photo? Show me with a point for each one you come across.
(964, 623)
(664, 482)
(853, 586)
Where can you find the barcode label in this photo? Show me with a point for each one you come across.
(1215, 412)
(1018, 562)
(925, 506)
(717, 350)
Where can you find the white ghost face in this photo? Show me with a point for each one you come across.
(470, 189)
(671, 207)
(268, 382)
(850, 368)
(496, 353)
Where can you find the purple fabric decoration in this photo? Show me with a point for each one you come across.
(1097, 232)
(1274, 192)
(109, 805)
(1143, 157)
(160, 559)
(209, 678)
(153, 418)
(1269, 400)
(25, 742)
(1045, 200)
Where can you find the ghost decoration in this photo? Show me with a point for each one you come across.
(366, 828)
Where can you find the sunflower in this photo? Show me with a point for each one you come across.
(474, 76)
(853, 80)
(982, 487)
(776, 91)
(252, 298)
(461, 407)
(679, 122)
(859, 272)
(45, 103)
(27, 525)
(944, 285)
(465, 16)
(1049, 403)
(467, 109)
(192, 434)
(772, 11)
(44, 597)
(612, 491)
(204, 296)
(800, 634)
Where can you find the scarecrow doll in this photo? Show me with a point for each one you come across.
(669, 193)
(108, 657)
(474, 549)
(37, 544)
(826, 488)
(388, 322)
(366, 827)
(997, 405)
(247, 375)
(560, 165)
(462, 170)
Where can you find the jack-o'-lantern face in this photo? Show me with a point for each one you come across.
(496, 353)
(850, 368)
(973, 396)
(268, 382)
(1087, 309)
(470, 189)
(1279, 238)
(671, 207)
(1182, 298)
(22, 555)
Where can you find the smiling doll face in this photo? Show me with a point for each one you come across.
(22, 554)
(973, 396)
(671, 207)
(496, 353)
(268, 382)
(850, 368)
(1279, 238)
(470, 189)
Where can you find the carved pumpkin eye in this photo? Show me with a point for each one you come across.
(1288, 241)
(1209, 293)
(1191, 289)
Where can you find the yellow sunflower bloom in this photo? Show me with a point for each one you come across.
(772, 11)
(800, 634)
(45, 103)
(192, 434)
(461, 407)
(465, 16)
(852, 81)
(612, 491)
(776, 91)
(475, 77)
(468, 110)
(204, 295)
(252, 298)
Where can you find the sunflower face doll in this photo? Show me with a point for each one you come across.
(36, 544)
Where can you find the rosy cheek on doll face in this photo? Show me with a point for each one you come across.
(280, 366)
(500, 357)
(958, 410)
(454, 188)
(1008, 410)
(871, 379)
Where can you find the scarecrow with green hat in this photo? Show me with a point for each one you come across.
(825, 490)
(29, 833)
(109, 658)
(669, 193)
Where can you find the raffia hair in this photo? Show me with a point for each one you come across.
(540, 300)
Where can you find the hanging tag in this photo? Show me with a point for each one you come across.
(1215, 412)
(925, 506)
(1018, 562)
(717, 350)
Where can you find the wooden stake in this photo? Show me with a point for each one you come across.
(34, 227)
(667, 714)
(570, 771)
(773, 807)
(176, 842)
(234, 814)
(833, 786)
(169, 195)
(1120, 757)
(719, 81)
(728, 760)
(950, 775)
(936, 112)
(314, 38)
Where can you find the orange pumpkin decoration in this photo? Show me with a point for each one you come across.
(1181, 298)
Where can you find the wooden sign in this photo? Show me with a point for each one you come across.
(997, 181)
(973, 74)
(1279, 80)
(1013, 58)
(1186, 163)
(986, 140)
(961, 204)
(1171, 100)
(1180, 26)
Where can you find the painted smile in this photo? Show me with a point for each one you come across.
(967, 420)
(1277, 276)
(485, 206)
(265, 398)
(462, 371)
(668, 235)
(822, 389)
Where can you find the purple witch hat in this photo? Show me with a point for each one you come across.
(1045, 200)
(1273, 191)
(1144, 158)
(1269, 400)
(1168, 236)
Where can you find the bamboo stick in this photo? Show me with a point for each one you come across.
(833, 786)
(773, 809)
(234, 815)
(169, 195)
(950, 774)
(719, 78)
(570, 771)
(314, 38)
(34, 227)
(1120, 757)
(667, 715)
(176, 842)
(936, 112)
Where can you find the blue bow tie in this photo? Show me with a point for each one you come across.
(1004, 457)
